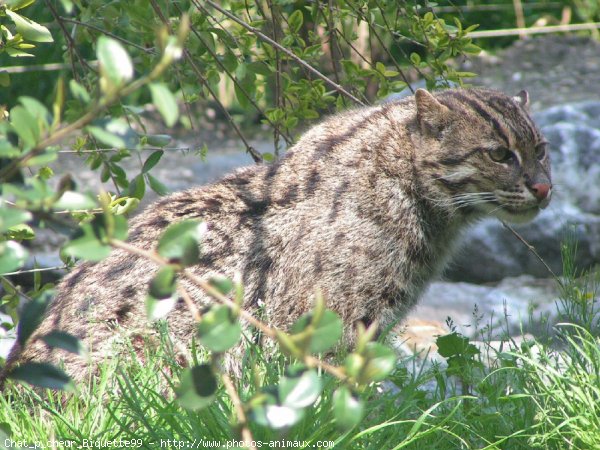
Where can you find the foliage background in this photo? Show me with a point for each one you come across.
(281, 64)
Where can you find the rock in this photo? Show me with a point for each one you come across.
(513, 306)
(418, 336)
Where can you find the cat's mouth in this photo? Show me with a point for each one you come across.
(518, 215)
(512, 213)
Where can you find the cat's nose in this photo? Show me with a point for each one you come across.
(542, 191)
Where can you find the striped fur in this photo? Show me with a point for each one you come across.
(366, 206)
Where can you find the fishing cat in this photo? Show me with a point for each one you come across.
(366, 206)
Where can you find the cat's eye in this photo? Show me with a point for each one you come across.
(540, 151)
(500, 154)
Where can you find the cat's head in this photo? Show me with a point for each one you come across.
(484, 153)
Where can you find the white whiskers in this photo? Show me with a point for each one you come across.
(464, 200)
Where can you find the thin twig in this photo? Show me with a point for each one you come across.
(116, 150)
(256, 156)
(278, 69)
(535, 30)
(518, 7)
(152, 256)
(107, 33)
(71, 43)
(42, 269)
(239, 411)
(335, 50)
(190, 303)
(532, 249)
(16, 288)
(50, 67)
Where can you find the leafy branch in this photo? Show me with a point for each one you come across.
(284, 50)
(116, 71)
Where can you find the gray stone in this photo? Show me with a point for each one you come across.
(513, 306)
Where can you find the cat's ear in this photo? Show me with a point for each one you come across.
(431, 114)
(522, 98)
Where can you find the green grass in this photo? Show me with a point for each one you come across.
(545, 394)
(524, 402)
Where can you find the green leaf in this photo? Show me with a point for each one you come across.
(152, 161)
(454, 344)
(9, 217)
(381, 360)
(295, 20)
(347, 408)
(25, 126)
(22, 232)
(37, 110)
(106, 137)
(5, 434)
(301, 390)
(15, 5)
(260, 68)
(158, 140)
(472, 49)
(324, 335)
(32, 316)
(42, 375)
(67, 5)
(162, 294)
(42, 159)
(165, 102)
(7, 150)
(115, 64)
(156, 185)
(65, 341)
(221, 283)
(12, 256)
(4, 78)
(180, 242)
(45, 173)
(241, 96)
(276, 416)
(163, 284)
(125, 205)
(137, 187)
(91, 240)
(354, 364)
(29, 29)
(198, 387)
(79, 92)
(158, 309)
(71, 200)
(466, 74)
(218, 330)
